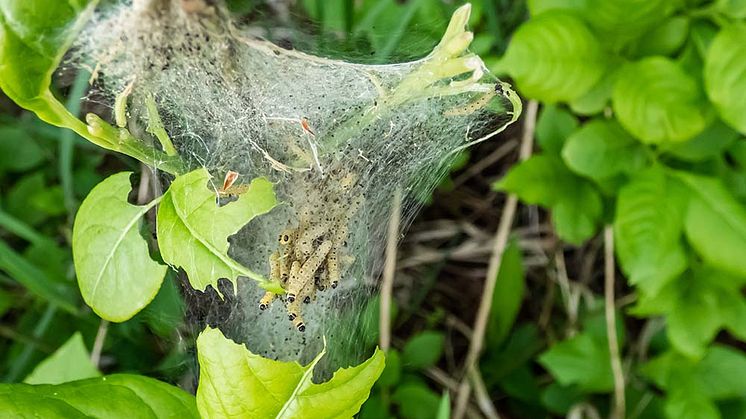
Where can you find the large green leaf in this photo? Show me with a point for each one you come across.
(34, 36)
(715, 223)
(725, 65)
(554, 57)
(116, 275)
(235, 383)
(648, 230)
(656, 101)
(601, 149)
(111, 397)
(193, 230)
(697, 305)
(68, 363)
(618, 22)
(575, 203)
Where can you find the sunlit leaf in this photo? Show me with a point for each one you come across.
(116, 275)
(233, 382)
(554, 57)
(657, 102)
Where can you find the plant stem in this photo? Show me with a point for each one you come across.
(98, 344)
(389, 271)
(501, 240)
(610, 314)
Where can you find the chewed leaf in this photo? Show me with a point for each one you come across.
(113, 396)
(193, 230)
(264, 388)
(116, 275)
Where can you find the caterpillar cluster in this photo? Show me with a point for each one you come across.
(310, 255)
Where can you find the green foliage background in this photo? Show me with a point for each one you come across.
(641, 128)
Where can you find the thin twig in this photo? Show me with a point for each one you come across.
(98, 344)
(616, 362)
(501, 240)
(389, 271)
(482, 396)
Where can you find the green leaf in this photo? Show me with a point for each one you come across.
(647, 229)
(166, 312)
(618, 22)
(544, 180)
(554, 57)
(583, 360)
(733, 8)
(693, 386)
(687, 403)
(392, 373)
(537, 7)
(193, 230)
(444, 409)
(114, 396)
(116, 275)
(725, 65)
(18, 151)
(708, 144)
(34, 36)
(68, 363)
(553, 126)
(657, 102)
(601, 149)
(703, 32)
(721, 372)
(719, 375)
(32, 201)
(508, 296)
(233, 382)
(423, 350)
(715, 223)
(560, 399)
(416, 401)
(665, 38)
(598, 97)
(697, 305)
